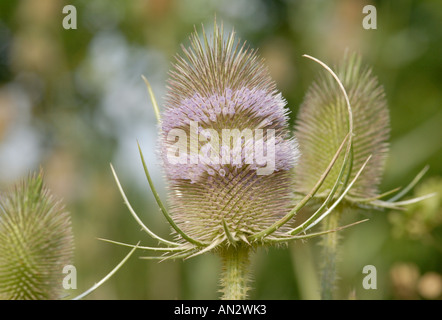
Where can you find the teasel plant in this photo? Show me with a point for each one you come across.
(321, 125)
(235, 206)
(36, 242)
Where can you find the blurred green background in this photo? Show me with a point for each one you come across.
(72, 101)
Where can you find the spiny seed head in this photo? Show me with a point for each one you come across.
(225, 144)
(322, 125)
(36, 242)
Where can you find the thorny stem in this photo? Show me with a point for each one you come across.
(330, 252)
(235, 273)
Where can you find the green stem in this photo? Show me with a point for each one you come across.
(234, 278)
(330, 252)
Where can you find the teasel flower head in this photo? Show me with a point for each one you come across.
(223, 108)
(36, 242)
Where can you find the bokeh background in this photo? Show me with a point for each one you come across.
(73, 101)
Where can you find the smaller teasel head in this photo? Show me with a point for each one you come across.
(36, 242)
(326, 117)
(323, 123)
(225, 144)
